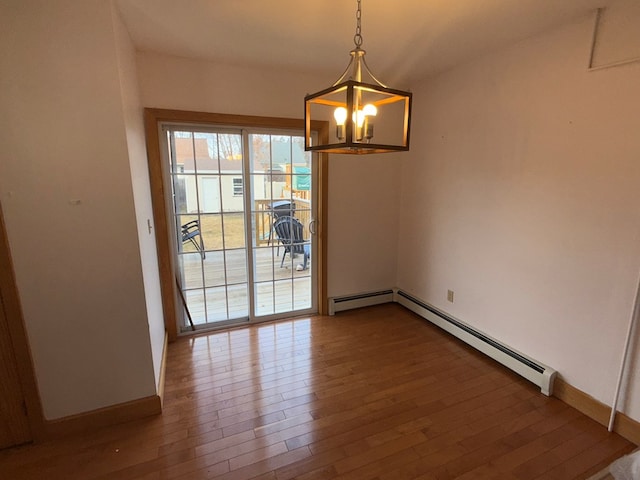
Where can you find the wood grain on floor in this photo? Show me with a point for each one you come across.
(375, 393)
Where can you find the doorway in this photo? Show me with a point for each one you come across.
(235, 180)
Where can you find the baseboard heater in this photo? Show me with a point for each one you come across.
(528, 368)
(338, 304)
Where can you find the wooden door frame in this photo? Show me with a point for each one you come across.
(18, 337)
(153, 117)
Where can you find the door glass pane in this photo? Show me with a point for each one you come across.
(208, 192)
(195, 304)
(283, 295)
(281, 178)
(234, 230)
(191, 268)
(216, 300)
(203, 150)
(237, 301)
(264, 298)
(206, 176)
(266, 261)
(214, 269)
(236, 266)
(233, 192)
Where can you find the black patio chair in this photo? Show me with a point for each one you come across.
(190, 231)
(290, 235)
(279, 209)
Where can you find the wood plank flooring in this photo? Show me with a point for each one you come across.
(375, 393)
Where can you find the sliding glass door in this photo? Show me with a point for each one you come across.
(243, 219)
(280, 175)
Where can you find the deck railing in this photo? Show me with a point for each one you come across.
(264, 218)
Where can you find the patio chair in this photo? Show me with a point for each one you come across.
(279, 209)
(190, 231)
(289, 231)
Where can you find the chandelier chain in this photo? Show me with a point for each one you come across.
(357, 38)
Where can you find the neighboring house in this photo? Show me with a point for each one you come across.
(218, 171)
(219, 177)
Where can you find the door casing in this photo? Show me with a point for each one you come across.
(153, 123)
(24, 421)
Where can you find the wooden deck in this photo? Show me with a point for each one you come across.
(279, 289)
(374, 393)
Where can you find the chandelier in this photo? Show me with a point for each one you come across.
(365, 116)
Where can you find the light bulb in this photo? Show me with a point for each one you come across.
(358, 118)
(340, 114)
(370, 110)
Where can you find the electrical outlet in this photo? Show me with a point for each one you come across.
(450, 295)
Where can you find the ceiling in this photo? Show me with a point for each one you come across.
(406, 40)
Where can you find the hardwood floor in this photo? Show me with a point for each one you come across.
(375, 393)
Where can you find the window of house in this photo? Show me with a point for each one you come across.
(238, 189)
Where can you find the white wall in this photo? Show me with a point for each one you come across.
(363, 221)
(134, 125)
(66, 192)
(522, 194)
(363, 191)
